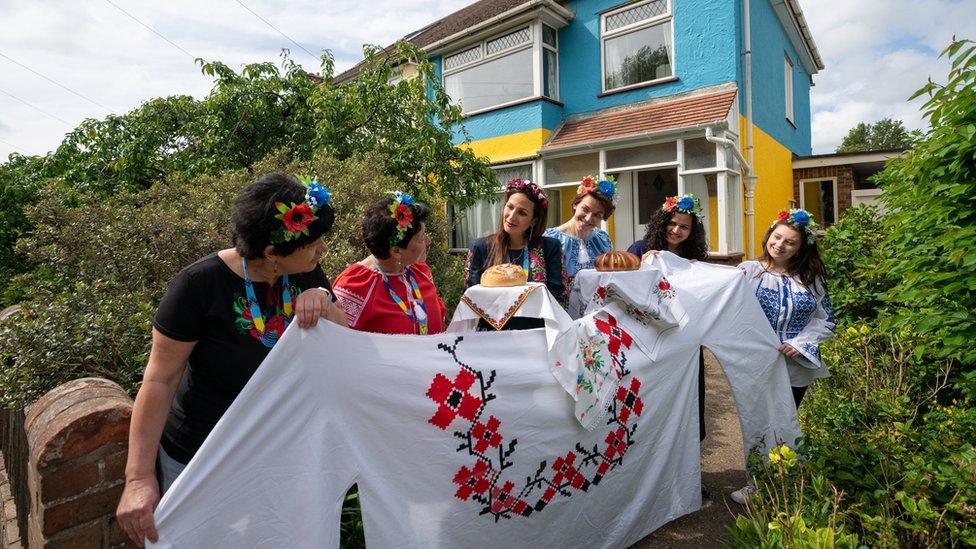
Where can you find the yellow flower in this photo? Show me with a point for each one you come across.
(865, 330)
(782, 454)
(852, 331)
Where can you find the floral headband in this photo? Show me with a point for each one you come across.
(799, 218)
(686, 203)
(296, 218)
(607, 187)
(401, 213)
(529, 188)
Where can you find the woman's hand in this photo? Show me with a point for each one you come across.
(311, 305)
(789, 350)
(139, 499)
(649, 254)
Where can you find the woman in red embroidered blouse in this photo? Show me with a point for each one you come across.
(392, 291)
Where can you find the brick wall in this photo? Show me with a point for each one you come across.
(78, 441)
(845, 183)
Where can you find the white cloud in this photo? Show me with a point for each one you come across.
(876, 52)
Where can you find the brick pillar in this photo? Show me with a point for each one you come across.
(78, 439)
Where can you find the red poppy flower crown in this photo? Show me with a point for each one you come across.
(401, 213)
(296, 218)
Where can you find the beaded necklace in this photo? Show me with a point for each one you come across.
(419, 313)
(252, 300)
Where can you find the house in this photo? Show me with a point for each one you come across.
(668, 96)
(828, 184)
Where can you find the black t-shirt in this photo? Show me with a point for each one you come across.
(206, 303)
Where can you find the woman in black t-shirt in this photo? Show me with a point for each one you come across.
(219, 318)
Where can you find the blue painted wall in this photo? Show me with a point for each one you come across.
(708, 46)
(769, 43)
(704, 54)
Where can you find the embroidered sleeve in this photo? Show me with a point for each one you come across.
(819, 328)
(353, 291)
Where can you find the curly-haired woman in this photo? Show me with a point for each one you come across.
(676, 228)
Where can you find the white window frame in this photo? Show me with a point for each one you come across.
(535, 40)
(667, 18)
(818, 180)
(541, 64)
(788, 86)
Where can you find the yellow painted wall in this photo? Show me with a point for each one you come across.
(510, 147)
(713, 225)
(773, 164)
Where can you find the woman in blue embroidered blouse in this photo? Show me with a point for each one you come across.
(519, 240)
(581, 238)
(790, 283)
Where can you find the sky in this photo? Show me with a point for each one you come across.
(62, 61)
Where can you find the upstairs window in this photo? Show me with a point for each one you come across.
(637, 44)
(788, 86)
(494, 72)
(550, 59)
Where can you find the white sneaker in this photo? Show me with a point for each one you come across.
(742, 495)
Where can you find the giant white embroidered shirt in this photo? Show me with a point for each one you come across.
(468, 440)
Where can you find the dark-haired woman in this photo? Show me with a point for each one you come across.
(519, 240)
(581, 238)
(392, 291)
(677, 228)
(790, 282)
(219, 318)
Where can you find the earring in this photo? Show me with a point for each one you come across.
(274, 266)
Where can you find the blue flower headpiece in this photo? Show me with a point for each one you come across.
(296, 218)
(607, 187)
(686, 203)
(801, 219)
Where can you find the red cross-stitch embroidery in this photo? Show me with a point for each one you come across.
(467, 397)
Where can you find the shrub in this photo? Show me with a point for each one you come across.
(851, 256)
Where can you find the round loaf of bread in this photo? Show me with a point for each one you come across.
(617, 261)
(504, 275)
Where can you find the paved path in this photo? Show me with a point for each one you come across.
(723, 471)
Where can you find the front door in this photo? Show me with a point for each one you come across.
(651, 187)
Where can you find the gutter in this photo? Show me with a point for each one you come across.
(750, 179)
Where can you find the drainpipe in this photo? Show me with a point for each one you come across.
(750, 179)
(746, 173)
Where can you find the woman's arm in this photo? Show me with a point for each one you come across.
(554, 271)
(475, 264)
(167, 360)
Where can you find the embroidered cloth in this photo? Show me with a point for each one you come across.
(466, 440)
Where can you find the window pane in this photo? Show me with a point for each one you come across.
(653, 186)
(572, 169)
(553, 215)
(501, 80)
(638, 56)
(510, 40)
(522, 171)
(549, 74)
(459, 59)
(699, 154)
(479, 220)
(641, 156)
(548, 35)
(639, 13)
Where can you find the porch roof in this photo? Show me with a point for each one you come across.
(651, 117)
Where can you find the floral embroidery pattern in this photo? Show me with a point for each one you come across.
(663, 291)
(465, 398)
(537, 265)
(274, 325)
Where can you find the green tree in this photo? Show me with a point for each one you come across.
(885, 134)
(262, 110)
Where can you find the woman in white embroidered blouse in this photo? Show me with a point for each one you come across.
(790, 283)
